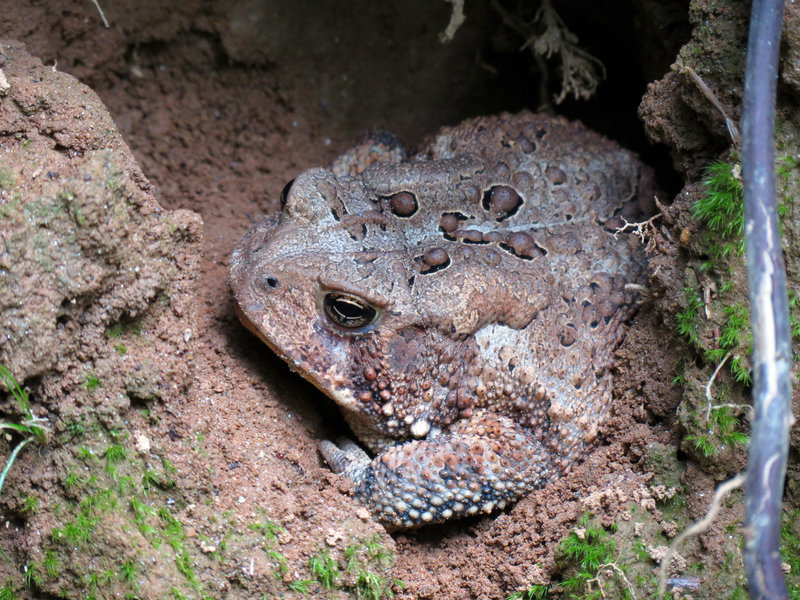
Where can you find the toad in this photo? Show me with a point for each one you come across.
(462, 307)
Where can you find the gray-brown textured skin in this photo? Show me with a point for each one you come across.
(486, 372)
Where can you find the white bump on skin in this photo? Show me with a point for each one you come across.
(420, 428)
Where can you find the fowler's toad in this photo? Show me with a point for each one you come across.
(462, 308)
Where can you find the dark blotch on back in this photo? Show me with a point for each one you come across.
(403, 204)
(502, 201)
(434, 259)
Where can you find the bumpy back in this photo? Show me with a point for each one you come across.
(493, 270)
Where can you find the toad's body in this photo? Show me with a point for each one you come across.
(462, 308)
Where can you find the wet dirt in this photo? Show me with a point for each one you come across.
(221, 106)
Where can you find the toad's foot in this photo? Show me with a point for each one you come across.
(480, 465)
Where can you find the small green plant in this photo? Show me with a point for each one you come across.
(686, 319)
(141, 511)
(177, 594)
(794, 318)
(173, 529)
(722, 209)
(588, 547)
(115, 453)
(301, 586)
(91, 580)
(186, 567)
(280, 559)
(71, 480)
(702, 443)
(361, 557)
(535, 592)
(269, 529)
(51, 564)
(7, 592)
(31, 428)
(123, 328)
(85, 453)
(30, 504)
(31, 575)
(76, 428)
(128, 572)
(92, 383)
(77, 531)
(324, 569)
(734, 332)
(6, 178)
(152, 479)
(790, 548)
(727, 425)
(370, 586)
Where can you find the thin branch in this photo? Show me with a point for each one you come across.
(697, 528)
(102, 14)
(709, 397)
(457, 18)
(598, 579)
(733, 130)
(769, 303)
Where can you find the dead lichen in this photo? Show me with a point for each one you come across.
(547, 36)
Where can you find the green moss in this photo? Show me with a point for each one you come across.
(702, 443)
(9, 208)
(324, 569)
(371, 586)
(279, 559)
(535, 592)
(6, 178)
(91, 383)
(71, 480)
(365, 560)
(30, 504)
(76, 428)
(686, 319)
(585, 550)
(269, 529)
(7, 592)
(722, 428)
(301, 586)
(790, 550)
(124, 327)
(51, 564)
(734, 334)
(722, 210)
(30, 575)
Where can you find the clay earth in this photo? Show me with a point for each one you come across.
(462, 307)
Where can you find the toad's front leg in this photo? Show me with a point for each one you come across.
(480, 465)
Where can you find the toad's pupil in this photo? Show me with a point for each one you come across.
(348, 311)
(285, 193)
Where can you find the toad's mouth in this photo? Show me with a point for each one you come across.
(331, 381)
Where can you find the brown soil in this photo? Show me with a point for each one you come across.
(221, 106)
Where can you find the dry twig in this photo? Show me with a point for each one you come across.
(697, 528)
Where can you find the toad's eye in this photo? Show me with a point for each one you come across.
(285, 193)
(348, 311)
